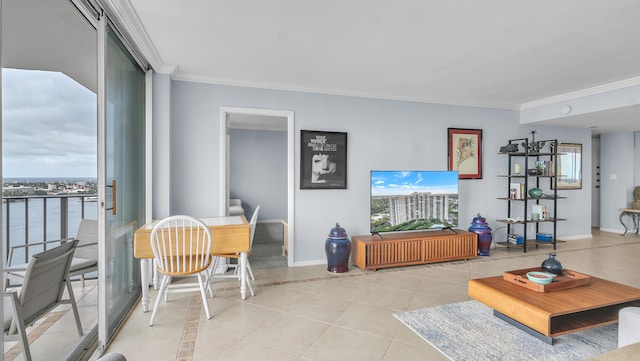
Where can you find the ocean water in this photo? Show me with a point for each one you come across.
(16, 214)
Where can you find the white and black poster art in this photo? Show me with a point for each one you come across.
(323, 163)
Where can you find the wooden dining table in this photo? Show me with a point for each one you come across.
(230, 234)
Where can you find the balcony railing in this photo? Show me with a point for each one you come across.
(31, 219)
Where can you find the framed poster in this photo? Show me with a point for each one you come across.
(465, 152)
(569, 163)
(323, 160)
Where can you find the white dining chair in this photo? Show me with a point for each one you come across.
(181, 247)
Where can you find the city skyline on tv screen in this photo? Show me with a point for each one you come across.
(413, 200)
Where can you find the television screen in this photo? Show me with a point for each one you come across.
(413, 200)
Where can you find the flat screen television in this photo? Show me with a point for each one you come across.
(413, 200)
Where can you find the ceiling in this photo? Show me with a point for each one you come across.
(493, 53)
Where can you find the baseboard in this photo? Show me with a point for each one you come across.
(572, 238)
(612, 230)
(309, 263)
(270, 221)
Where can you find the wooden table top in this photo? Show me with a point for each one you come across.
(629, 210)
(230, 235)
(599, 293)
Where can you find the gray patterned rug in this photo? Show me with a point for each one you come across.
(469, 331)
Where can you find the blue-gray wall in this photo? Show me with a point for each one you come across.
(618, 177)
(258, 174)
(382, 134)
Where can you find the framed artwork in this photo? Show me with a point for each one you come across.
(323, 160)
(569, 163)
(465, 152)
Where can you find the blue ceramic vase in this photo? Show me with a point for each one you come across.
(552, 265)
(480, 226)
(338, 249)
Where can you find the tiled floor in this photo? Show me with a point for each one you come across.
(308, 314)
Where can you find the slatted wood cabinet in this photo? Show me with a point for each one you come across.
(403, 249)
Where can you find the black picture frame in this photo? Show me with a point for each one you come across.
(323, 160)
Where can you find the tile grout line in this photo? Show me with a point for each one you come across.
(187, 345)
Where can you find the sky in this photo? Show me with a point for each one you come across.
(49, 125)
(407, 182)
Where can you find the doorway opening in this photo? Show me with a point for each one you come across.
(254, 134)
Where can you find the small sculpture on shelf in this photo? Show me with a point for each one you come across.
(534, 147)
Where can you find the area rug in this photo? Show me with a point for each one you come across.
(468, 331)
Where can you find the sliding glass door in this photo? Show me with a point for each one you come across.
(121, 175)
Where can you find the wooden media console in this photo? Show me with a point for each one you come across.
(411, 248)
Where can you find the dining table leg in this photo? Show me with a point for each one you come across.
(243, 275)
(144, 279)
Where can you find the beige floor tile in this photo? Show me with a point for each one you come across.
(236, 317)
(385, 298)
(338, 343)
(319, 307)
(212, 342)
(404, 352)
(368, 319)
(245, 350)
(288, 333)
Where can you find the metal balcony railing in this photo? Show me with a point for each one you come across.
(39, 218)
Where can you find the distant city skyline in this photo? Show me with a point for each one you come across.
(49, 126)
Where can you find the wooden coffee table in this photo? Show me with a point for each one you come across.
(550, 314)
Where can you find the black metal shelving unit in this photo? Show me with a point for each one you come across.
(534, 151)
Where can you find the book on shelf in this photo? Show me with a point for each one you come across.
(516, 190)
(540, 210)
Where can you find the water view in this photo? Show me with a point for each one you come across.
(33, 209)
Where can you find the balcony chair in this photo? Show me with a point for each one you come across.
(86, 254)
(42, 289)
(236, 256)
(181, 247)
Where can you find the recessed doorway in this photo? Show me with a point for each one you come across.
(249, 137)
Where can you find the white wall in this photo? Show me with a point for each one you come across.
(381, 135)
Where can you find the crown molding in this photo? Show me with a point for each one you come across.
(126, 18)
(600, 89)
(294, 88)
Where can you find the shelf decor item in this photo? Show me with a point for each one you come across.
(480, 226)
(338, 250)
(535, 192)
(552, 265)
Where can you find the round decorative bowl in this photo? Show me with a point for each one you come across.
(542, 278)
(535, 192)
